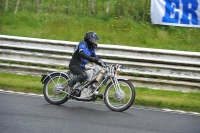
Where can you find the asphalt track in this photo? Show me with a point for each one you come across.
(21, 113)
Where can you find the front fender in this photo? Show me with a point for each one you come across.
(45, 76)
(123, 79)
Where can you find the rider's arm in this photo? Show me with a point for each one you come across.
(84, 55)
(90, 58)
(82, 49)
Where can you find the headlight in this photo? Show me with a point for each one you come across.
(117, 72)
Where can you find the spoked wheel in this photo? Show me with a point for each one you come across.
(53, 88)
(121, 99)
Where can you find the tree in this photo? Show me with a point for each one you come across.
(92, 6)
(16, 7)
(108, 7)
(6, 6)
(38, 5)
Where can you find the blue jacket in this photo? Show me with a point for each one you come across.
(82, 54)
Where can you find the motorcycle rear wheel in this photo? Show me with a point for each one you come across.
(53, 88)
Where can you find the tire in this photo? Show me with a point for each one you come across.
(118, 101)
(52, 87)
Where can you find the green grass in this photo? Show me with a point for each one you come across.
(116, 31)
(21, 83)
(168, 99)
(146, 97)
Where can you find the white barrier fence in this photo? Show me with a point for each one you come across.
(152, 68)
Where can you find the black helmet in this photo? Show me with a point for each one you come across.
(91, 38)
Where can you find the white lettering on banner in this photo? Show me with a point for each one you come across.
(176, 12)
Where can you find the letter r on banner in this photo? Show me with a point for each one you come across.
(189, 10)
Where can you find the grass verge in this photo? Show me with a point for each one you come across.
(144, 96)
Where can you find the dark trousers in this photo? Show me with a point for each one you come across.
(80, 74)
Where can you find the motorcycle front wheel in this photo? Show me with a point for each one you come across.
(53, 88)
(119, 99)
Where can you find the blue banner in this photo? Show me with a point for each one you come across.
(176, 12)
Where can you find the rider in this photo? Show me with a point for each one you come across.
(84, 52)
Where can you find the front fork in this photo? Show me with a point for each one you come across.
(116, 84)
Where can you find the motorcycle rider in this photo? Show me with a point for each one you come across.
(84, 52)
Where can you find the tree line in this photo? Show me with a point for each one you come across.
(134, 9)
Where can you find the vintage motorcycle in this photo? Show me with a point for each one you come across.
(118, 95)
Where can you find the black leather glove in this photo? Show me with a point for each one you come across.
(97, 61)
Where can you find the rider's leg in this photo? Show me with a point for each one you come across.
(81, 75)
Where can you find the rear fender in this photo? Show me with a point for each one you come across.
(48, 75)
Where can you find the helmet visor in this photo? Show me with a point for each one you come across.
(94, 41)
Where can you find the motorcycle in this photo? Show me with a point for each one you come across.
(118, 95)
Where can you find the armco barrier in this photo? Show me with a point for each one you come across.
(152, 68)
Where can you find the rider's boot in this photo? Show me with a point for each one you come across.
(72, 90)
(76, 92)
(68, 89)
